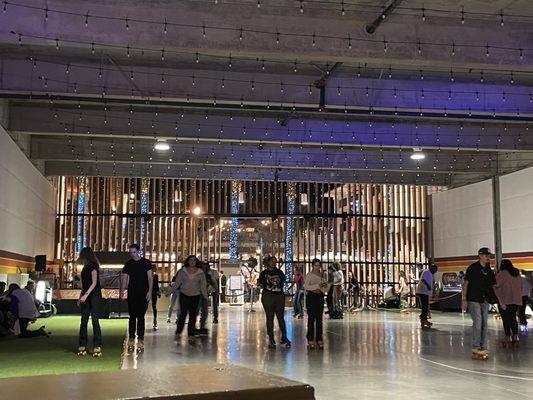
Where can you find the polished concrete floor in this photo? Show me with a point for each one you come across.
(369, 355)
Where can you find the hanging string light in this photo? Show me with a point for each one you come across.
(234, 230)
(145, 186)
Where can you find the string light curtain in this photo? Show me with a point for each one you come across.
(289, 231)
(145, 187)
(82, 229)
(234, 233)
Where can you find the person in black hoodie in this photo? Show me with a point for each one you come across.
(271, 280)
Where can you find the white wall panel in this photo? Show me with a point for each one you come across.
(516, 198)
(27, 204)
(463, 220)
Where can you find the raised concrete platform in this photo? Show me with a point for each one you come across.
(186, 382)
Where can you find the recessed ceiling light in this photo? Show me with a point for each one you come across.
(417, 154)
(162, 145)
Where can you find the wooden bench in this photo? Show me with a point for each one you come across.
(186, 382)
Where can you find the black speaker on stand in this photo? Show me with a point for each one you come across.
(40, 263)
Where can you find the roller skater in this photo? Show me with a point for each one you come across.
(138, 274)
(90, 301)
(423, 291)
(193, 289)
(271, 280)
(508, 289)
(315, 285)
(477, 294)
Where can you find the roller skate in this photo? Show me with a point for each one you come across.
(82, 351)
(311, 346)
(480, 354)
(271, 344)
(203, 332)
(155, 327)
(131, 345)
(169, 321)
(97, 352)
(320, 344)
(286, 342)
(515, 342)
(425, 324)
(140, 346)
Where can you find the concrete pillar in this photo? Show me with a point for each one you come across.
(4, 113)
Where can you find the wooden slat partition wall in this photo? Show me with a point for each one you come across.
(387, 236)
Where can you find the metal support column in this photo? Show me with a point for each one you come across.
(497, 219)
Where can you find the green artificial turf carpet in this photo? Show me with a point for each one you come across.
(57, 354)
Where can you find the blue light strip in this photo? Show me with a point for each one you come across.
(234, 231)
(144, 210)
(81, 232)
(291, 207)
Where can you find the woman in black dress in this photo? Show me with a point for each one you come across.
(90, 301)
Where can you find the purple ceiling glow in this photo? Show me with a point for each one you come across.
(94, 94)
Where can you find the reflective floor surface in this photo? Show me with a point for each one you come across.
(369, 355)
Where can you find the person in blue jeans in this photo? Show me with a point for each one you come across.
(477, 295)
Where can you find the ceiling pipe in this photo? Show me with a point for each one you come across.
(371, 28)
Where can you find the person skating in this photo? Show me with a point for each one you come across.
(424, 290)
(315, 285)
(223, 283)
(477, 294)
(508, 290)
(338, 284)
(526, 293)
(354, 289)
(156, 293)
(271, 280)
(213, 290)
(174, 299)
(139, 276)
(90, 302)
(211, 278)
(298, 282)
(192, 285)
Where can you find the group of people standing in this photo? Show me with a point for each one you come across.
(316, 284)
